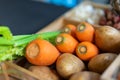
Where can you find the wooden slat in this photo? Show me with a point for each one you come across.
(19, 72)
(4, 71)
(111, 71)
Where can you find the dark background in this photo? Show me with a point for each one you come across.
(26, 16)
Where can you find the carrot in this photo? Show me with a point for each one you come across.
(85, 32)
(66, 43)
(70, 29)
(41, 52)
(86, 50)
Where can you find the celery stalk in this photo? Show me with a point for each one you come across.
(4, 41)
(5, 32)
(19, 37)
(25, 40)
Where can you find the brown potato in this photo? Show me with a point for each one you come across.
(44, 72)
(100, 62)
(107, 39)
(85, 75)
(68, 64)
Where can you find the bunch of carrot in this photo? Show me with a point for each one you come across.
(79, 40)
(72, 39)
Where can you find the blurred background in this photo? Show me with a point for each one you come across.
(71, 3)
(29, 16)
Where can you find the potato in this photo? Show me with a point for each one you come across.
(100, 62)
(85, 75)
(107, 39)
(68, 64)
(44, 72)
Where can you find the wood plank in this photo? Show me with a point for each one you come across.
(20, 72)
(111, 70)
(4, 70)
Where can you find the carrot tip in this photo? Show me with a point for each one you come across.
(82, 49)
(59, 39)
(81, 27)
(33, 50)
(66, 30)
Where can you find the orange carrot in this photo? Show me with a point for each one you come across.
(41, 52)
(86, 50)
(85, 32)
(70, 29)
(66, 43)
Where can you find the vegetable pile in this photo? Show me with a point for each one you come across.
(110, 19)
(72, 53)
(13, 47)
(86, 12)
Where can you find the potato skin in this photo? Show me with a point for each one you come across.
(107, 39)
(100, 62)
(44, 72)
(68, 64)
(85, 75)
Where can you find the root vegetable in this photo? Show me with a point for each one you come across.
(107, 39)
(70, 29)
(41, 52)
(85, 32)
(44, 72)
(85, 75)
(101, 62)
(68, 64)
(86, 50)
(66, 43)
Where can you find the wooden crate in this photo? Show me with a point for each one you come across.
(15, 70)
